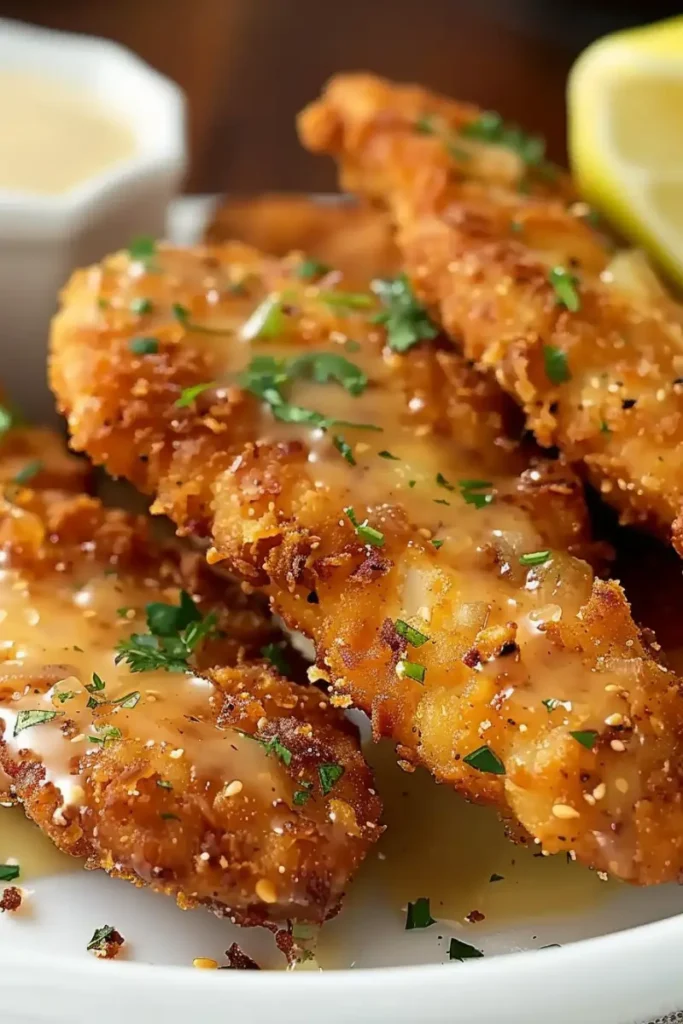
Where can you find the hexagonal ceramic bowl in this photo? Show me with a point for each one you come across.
(43, 237)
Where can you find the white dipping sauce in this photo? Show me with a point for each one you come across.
(53, 137)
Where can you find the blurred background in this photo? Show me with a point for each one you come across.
(247, 66)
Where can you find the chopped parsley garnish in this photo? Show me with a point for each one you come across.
(143, 346)
(329, 775)
(175, 632)
(8, 872)
(442, 501)
(271, 746)
(387, 455)
(27, 472)
(265, 377)
(425, 125)
(303, 795)
(405, 319)
(143, 249)
(551, 703)
(105, 734)
(443, 482)
(310, 268)
(164, 784)
(605, 428)
(556, 366)
(267, 321)
(101, 938)
(419, 915)
(485, 760)
(350, 300)
(274, 653)
(27, 719)
(490, 127)
(130, 700)
(188, 395)
(327, 366)
(586, 737)
(344, 449)
(123, 612)
(414, 637)
(368, 534)
(437, 544)
(96, 685)
(169, 816)
(496, 878)
(534, 558)
(564, 283)
(141, 306)
(413, 670)
(476, 492)
(458, 950)
(65, 695)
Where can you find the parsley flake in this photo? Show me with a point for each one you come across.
(443, 482)
(344, 449)
(534, 558)
(387, 455)
(188, 395)
(8, 872)
(65, 695)
(6, 419)
(414, 637)
(418, 914)
(476, 492)
(586, 737)
(143, 249)
(458, 950)
(105, 734)
(329, 775)
(303, 795)
(551, 704)
(175, 632)
(267, 321)
(274, 653)
(496, 878)
(310, 268)
(405, 319)
(564, 284)
(29, 471)
(485, 760)
(425, 125)
(141, 306)
(102, 937)
(368, 534)
(437, 544)
(96, 685)
(556, 366)
(412, 670)
(27, 719)
(143, 346)
(490, 127)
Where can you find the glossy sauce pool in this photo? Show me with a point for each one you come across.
(53, 137)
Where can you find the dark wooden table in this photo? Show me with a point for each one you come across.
(248, 65)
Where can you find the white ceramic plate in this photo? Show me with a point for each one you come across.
(618, 961)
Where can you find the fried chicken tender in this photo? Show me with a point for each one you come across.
(354, 238)
(223, 785)
(427, 560)
(520, 277)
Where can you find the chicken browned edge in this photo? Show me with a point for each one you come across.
(434, 568)
(223, 785)
(526, 281)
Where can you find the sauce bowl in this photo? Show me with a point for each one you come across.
(44, 236)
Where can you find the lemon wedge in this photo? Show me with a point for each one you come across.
(625, 100)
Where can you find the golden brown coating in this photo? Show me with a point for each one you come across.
(434, 580)
(227, 787)
(590, 348)
(352, 237)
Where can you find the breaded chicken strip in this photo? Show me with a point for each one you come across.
(354, 238)
(226, 787)
(362, 479)
(523, 281)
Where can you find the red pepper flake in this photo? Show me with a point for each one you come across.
(11, 899)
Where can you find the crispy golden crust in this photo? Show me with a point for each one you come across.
(481, 255)
(354, 238)
(524, 653)
(188, 785)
